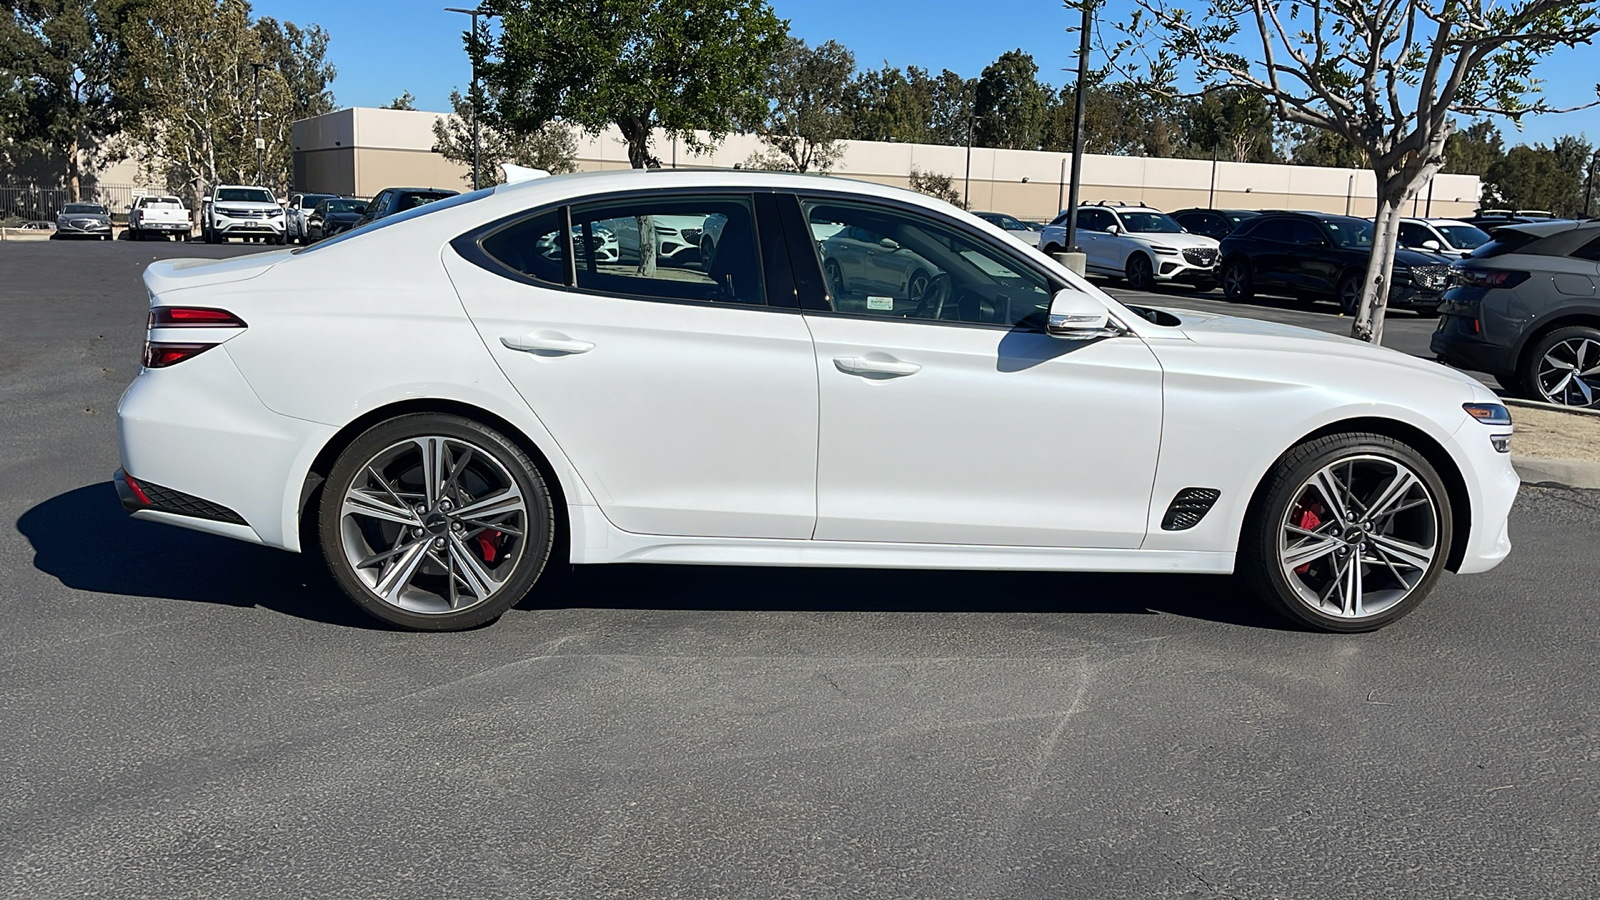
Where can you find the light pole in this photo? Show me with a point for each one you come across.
(1077, 127)
(261, 145)
(477, 98)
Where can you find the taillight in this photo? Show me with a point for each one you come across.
(160, 354)
(1490, 278)
(193, 317)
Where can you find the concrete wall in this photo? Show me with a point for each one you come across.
(393, 147)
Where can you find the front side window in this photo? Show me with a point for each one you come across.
(884, 262)
(1305, 233)
(1350, 233)
(1413, 235)
(669, 248)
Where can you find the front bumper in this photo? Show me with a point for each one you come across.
(222, 225)
(1492, 486)
(97, 229)
(1415, 298)
(1186, 268)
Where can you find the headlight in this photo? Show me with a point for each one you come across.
(1488, 413)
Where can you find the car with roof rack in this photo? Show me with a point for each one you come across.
(1139, 243)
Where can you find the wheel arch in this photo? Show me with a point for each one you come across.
(1419, 440)
(323, 463)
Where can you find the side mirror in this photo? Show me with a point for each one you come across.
(1114, 230)
(1431, 246)
(888, 244)
(1076, 316)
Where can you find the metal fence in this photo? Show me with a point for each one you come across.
(25, 202)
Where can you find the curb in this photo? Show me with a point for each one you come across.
(1560, 472)
(1552, 407)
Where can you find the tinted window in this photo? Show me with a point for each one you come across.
(1503, 241)
(1590, 250)
(1272, 230)
(1150, 223)
(1202, 223)
(245, 195)
(1350, 233)
(1304, 233)
(1249, 227)
(1414, 235)
(915, 267)
(532, 247)
(84, 209)
(413, 199)
(1464, 237)
(1095, 220)
(612, 243)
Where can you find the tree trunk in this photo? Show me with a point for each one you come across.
(1380, 267)
(636, 131)
(74, 179)
(647, 245)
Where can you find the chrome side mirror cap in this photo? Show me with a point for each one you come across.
(1076, 316)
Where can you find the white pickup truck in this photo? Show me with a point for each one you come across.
(157, 217)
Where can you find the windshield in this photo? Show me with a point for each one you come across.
(1006, 222)
(245, 195)
(81, 209)
(412, 213)
(1464, 237)
(1150, 223)
(1349, 232)
(346, 206)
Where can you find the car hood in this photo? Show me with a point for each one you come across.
(177, 274)
(98, 217)
(251, 205)
(1241, 333)
(1177, 239)
(342, 216)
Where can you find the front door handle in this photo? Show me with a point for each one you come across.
(856, 365)
(547, 344)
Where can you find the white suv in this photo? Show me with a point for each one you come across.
(1144, 245)
(242, 211)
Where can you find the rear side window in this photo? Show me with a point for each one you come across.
(533, 247)
(1249, 227)
(1590, 250)
(670, 248)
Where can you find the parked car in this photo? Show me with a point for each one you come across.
(333, 215)
(90, 220)
(1324, 256)
(297, 212)
(1139, 243)
(867, 271)
(1013, 226)
(1012, 417)
(242, 211)
(1490, 219)
(397, 200)
(1213, 223)
(159, 218)
(1526, 308)
(1450, 237)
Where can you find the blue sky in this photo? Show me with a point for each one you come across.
(385, 47)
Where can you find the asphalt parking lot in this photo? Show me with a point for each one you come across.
(185, 716)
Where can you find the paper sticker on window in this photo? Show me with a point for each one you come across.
(884, 303)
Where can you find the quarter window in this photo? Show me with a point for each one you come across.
(669, 248)
(1590, 250)
(533, 247)
(887, 263)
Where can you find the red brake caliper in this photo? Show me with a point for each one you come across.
(1309, 520)
(489, 543)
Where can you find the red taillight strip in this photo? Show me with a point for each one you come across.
(193, 317)
(160, 354)
(137, 491)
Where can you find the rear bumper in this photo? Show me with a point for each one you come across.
(162, 226)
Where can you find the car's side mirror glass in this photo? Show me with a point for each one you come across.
(1076, 316)
(888, 244)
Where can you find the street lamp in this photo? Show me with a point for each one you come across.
(261, 145)
(477, 99)
(1077, 127)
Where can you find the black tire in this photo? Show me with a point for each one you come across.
(496, 456)
(1349, 294)
(1566, 390)
(1237, 282)
(1284, 491)
(1141, 274)
(835, 278)
(917, 284)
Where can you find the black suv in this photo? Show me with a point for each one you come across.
(1525, 308)
(1213, 223)
(397, 200)
(1323, 255)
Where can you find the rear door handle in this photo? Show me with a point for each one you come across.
(547, 344)
(855, 365)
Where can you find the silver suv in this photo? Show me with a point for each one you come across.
(1144, 245)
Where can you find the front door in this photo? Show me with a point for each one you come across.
(952, 418)
(686, 403)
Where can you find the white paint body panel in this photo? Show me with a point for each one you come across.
(703, 434)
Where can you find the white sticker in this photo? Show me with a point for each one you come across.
(883, 303)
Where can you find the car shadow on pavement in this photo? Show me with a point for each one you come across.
(85, 540)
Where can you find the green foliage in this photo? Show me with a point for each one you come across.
(1010, 105)
(936, 184)
(1315, 147)
(890, 105)
(808, 116)
(405, 101)
(550, 147)
(1541, 177)
(676, 65)
(1234, 124)
(1472, 150)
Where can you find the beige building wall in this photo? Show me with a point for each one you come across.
(394, 148)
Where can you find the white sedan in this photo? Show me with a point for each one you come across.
(437, 402)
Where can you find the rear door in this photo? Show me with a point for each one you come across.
(686, 401)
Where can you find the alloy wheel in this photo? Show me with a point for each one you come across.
(1569, 373)
(1359, 536)
(433, 525)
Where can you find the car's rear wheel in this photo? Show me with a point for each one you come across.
(1348, 533)
(1141, 277)
(435, 522)
(835, 279)
(1564, 368)
(1237, 283)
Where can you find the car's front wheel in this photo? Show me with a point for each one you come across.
(1236, 281)
(435, 522)
(1350, 294)
(1348, 533)
(1564, 368)
(1141, 277)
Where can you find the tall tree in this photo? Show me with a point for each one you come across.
(1548, 177)
(405, 101)
(807, 117)
(951, 108)
(676, 65)
(1385, 75)
(59, 60)
(1472, 150)
(1011, 107)
(890, 105)
(550, 147)
(1233, 124)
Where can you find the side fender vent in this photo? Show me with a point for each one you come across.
(1188, 508)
